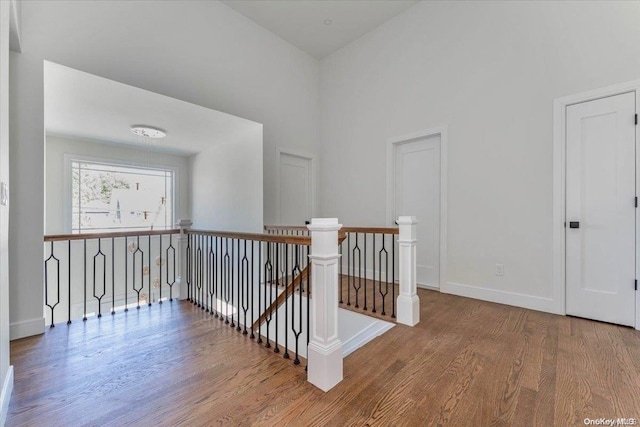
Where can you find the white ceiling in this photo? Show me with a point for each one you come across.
(82, 105)
(302, 22)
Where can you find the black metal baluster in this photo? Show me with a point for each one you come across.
(365, 271)
(84, 313)
(245, 291)
(189, 260)
(171, 250)
(69, 264)
(259, 340)
(149, 269)
(104, 276)
(373, 291)
(286, 300)
(233, 305)
(207, 274)
(212, 277)
(52, 257)
(239, 297)
(199, 271)
(126, 273)
(386, 263)
(297, 331)
(227, 275)
(349, 278)
(340, 271)
(276, 349)
(159, 264)
(393, 269)
(216, 284)
(356, 251)
(268, 278)
(309, 290)
(113, 275)
(137, 291)
(252, 284)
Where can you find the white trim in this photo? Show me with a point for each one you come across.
(502, 297)
(370, 332)
(67, 190)
(5, 396)
(391, 176)
(26, 328)
(313, 176)
(559, 170)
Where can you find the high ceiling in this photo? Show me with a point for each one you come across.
(82, 105)
(319, 27)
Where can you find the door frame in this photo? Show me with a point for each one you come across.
(312, 178)
(559, 186)
(392, 145)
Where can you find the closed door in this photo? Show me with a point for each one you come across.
(295, 189)
(417, 193)
(600, 209)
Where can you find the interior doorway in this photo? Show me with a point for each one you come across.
(595, 256)
(418, 188)
(295, 187)
(600, 209)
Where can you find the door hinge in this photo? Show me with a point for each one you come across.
(636, 201)
(636, 118)
(636, 287)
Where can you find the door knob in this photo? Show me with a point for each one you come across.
(574, 224)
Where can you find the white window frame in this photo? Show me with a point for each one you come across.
(68, 184)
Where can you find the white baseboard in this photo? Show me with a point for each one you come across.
(364, 336)
(430, 287)
(502, 297)
(5, 396)
(26, 328)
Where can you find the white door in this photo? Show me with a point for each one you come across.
(295, 189)
(600, 209)
(417, 193)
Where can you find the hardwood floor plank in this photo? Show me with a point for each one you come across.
(466, 363)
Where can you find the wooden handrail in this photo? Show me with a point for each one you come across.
(286, 227)
(258, 237)
(87, 236)
(376, 230)
(290, 290)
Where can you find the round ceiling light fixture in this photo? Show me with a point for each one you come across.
(148, 131)
(328, 22)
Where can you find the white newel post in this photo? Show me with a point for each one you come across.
(325, 347)
(184, 224)
(408, 307)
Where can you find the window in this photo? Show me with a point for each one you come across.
(109, 197)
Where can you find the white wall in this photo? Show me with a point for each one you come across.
(227, 186)
(57, 196)
(489, 70)
(6, 376)
(200, 52)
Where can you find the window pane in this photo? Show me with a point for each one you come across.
(107, 197)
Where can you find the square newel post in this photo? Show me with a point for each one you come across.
(183, 224)
(325, 348)
(408, 305)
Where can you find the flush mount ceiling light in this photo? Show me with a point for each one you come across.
(328, 22)
(148, 131)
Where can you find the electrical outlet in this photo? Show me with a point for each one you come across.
(499, 269)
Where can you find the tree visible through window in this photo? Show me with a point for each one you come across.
(107, 197)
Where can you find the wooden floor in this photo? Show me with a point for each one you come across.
(468, 363)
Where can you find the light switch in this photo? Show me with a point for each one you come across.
(4, 194)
